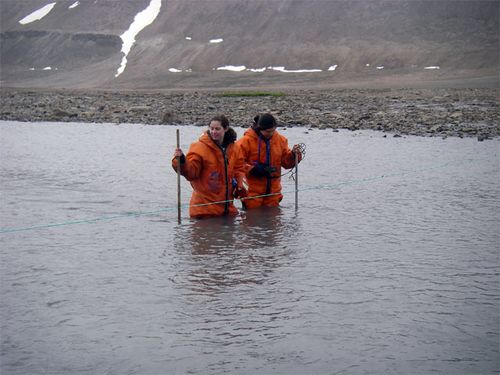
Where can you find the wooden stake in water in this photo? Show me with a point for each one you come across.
(178, 180)
(296, 181)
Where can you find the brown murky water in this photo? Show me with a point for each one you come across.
(390, 265)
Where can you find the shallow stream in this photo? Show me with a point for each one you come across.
(390, 264)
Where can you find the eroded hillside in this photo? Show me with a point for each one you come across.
(231, 43)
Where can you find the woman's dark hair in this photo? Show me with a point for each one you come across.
(264, 121)
(229, 137)
(222, 119)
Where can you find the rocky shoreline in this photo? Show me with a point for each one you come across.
(422, 112)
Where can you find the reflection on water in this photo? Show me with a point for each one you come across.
(231, 251)
(253, 229)
(230, 286)
(267, 227)
(380, 275)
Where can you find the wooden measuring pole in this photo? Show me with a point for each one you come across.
(178, 180)
(296, 181)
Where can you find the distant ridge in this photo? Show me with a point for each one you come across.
(239, 43)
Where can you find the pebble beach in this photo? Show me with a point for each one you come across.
(451, 112)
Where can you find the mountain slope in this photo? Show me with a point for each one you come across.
(358, 39)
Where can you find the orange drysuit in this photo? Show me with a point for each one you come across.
(210, 169)
(273, 154)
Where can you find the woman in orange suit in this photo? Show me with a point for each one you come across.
(215, 169)
(265, 152)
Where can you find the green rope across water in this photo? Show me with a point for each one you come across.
(166, 209)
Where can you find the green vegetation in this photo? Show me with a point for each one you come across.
(251, 93)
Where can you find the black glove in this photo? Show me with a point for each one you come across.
(262, 170)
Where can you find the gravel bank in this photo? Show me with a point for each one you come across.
(423, 112)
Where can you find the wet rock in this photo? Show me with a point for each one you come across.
(456, 115)
(169, 118)
(436, 128)
(58, 113)
(139, 108)
(482, 137)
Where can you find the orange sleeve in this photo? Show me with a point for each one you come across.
(244, 145)
(239, 166)
(287, 156)
(192, 167)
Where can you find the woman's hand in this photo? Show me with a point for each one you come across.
(296, 149)
(179, 154)
(262, 170)
(240, 188)
(240, 192)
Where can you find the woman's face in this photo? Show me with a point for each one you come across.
(216, 131)
(268, 133)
